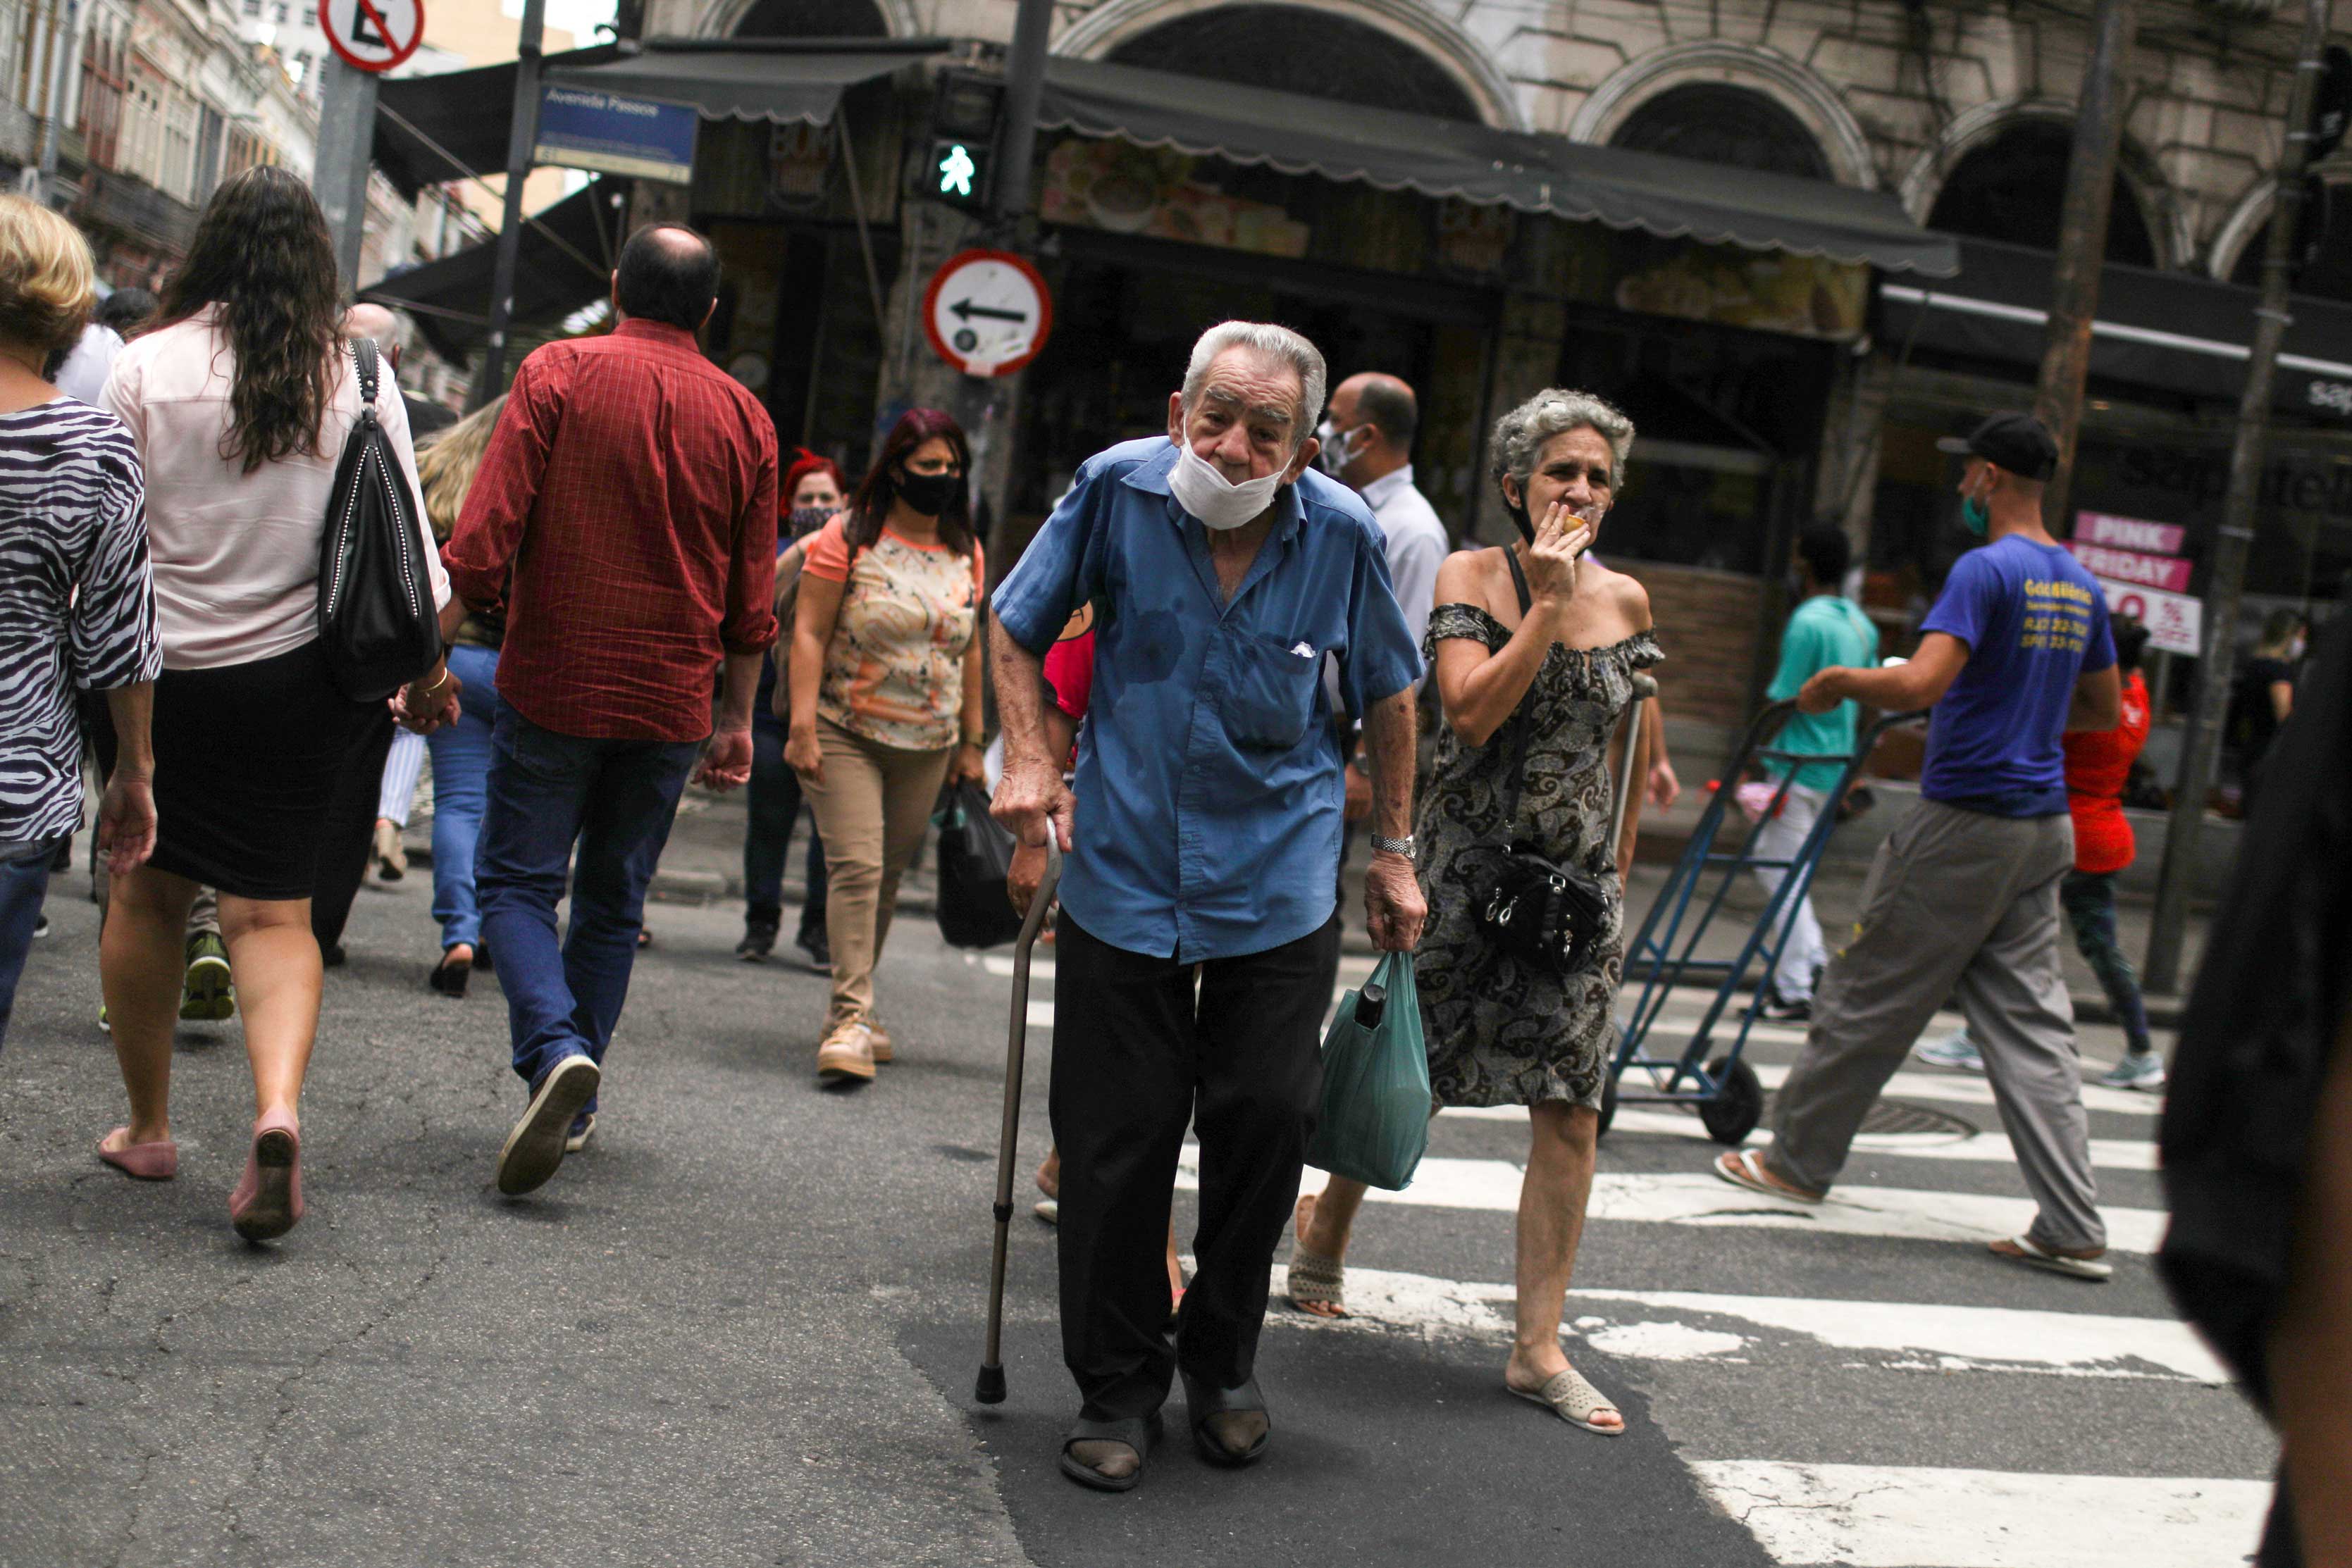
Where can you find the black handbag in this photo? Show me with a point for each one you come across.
(1542, 913)
(974, 907)
(378, 626)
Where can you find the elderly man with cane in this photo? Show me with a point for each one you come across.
(1199, 919)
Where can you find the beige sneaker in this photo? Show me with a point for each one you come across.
(880, 1039)
(846, 1056)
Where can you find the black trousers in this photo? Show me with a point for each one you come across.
(1143, 1046)
(348, 839)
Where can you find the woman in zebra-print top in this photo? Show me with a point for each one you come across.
(77, 597)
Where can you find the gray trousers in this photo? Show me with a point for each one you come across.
(1960, 903)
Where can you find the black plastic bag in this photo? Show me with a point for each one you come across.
(975, 907)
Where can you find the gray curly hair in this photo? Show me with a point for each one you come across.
(1521, 434)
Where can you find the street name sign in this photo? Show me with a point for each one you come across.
(584, 128)
(987, 312)
(373, 35)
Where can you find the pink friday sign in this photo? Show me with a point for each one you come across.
(2128, 533)
(2167, 572)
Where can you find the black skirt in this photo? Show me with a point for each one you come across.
(245, 761)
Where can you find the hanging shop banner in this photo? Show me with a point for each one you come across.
(987, 312)
(2168, 572)
(2175, 622)
(582, 128)
(1161, 193)
(1802, 296)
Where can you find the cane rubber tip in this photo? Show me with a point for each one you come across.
(990, 1389)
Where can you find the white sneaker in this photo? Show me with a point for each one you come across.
(2143, 1071)
(1955, 1051)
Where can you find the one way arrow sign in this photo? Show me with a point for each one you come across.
(987, 312)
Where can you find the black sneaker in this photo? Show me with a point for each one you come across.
(1780, 1009)
(40, 925)
(819, 951)
(759, 941)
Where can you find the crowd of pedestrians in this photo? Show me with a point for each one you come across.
(1211, 667)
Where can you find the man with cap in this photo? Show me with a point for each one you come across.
(1963, 898)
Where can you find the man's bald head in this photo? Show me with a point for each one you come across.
(667, 273)
(369, 320)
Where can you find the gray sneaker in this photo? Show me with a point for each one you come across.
(539, 1142)
(2141, 1070)
(1955, 1051)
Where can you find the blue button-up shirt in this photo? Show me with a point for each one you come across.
(1209, 789)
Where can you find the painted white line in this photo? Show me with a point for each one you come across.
(1880, 1516)
(1984, 1149)
(1697, 1199)
(1908, 1335)
(1969, 1089)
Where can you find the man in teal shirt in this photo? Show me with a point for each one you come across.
(1827, 630)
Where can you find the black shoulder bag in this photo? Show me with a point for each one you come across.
(377, 623)
(1544, 915)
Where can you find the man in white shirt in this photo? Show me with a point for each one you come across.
(1368, 447)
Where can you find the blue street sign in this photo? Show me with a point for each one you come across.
(582, 128)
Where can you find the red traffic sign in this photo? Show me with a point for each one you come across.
(987, 312)
(373, 35)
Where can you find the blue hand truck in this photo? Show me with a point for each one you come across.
(1662, 957)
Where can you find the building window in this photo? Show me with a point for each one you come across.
(2013, 188)
(1714, 123)
(1291, 48)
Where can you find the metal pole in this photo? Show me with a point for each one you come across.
(523, 134)
(2083, 244)
(2216, 666)
(346, 139)
(1024, 83)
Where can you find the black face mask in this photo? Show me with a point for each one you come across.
(805, 520)
(928, 494)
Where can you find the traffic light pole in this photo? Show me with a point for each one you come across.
(2215, 674)
(522, 135)
(1024, 84)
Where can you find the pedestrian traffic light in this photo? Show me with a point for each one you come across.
(958, 171)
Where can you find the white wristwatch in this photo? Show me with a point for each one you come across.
(1402, 846)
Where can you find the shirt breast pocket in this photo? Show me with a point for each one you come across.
(1271, 698)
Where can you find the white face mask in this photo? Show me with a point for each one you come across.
(1217, 501)
(1337, 448)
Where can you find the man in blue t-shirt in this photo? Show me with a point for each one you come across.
(1963, 898)
(1828, 630)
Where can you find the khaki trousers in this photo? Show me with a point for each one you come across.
(1958, 904)
(871, 808)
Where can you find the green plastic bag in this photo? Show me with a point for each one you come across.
(1374, 1125)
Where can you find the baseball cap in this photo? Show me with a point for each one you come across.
(2017, 442)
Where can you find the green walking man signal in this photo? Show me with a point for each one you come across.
(959, 169)
(956, 169)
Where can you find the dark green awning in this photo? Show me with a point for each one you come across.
(1672, 197)
(563, 262)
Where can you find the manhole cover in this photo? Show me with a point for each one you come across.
(1902, 1116)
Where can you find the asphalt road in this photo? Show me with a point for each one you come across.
(741, 1328)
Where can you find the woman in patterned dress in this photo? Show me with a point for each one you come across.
(1552, 647)
(885, 702)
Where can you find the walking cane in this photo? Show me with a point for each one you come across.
(990, 1389)
(1645, 688)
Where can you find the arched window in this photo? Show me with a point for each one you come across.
(1292, 48)
(2013, 188)
(1716, 123)
(813, 19)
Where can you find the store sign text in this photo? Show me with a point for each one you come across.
(2167, 572)
(2204, 478)
(2129, 533)
(2174, 620)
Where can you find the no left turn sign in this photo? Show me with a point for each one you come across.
(373, 35)
(987, 312)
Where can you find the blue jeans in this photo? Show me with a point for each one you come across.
(461, 776)
(22, 884)
(615, 799)
(772, 808)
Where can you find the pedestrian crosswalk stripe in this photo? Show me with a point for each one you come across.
(1982, 1148)
(1897, 1334)
(1884, 1516)
(1974, 1090)
(1701, 1199)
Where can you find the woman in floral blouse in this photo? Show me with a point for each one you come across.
(886, 699)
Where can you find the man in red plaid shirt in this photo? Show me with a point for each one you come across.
(625, 517)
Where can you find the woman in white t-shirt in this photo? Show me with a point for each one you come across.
(240, 400)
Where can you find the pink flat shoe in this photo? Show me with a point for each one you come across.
(269, 1197)
(158, 1161)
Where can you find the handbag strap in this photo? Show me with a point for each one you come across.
(1521, 721)
(363, 358)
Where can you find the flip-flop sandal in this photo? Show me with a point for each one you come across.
(2034, 1255)
(1745, 1167)
(1315, 1279)
(1568, 1396)
(1049, 1209)
(1202, 1404)
(1137, 1432)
